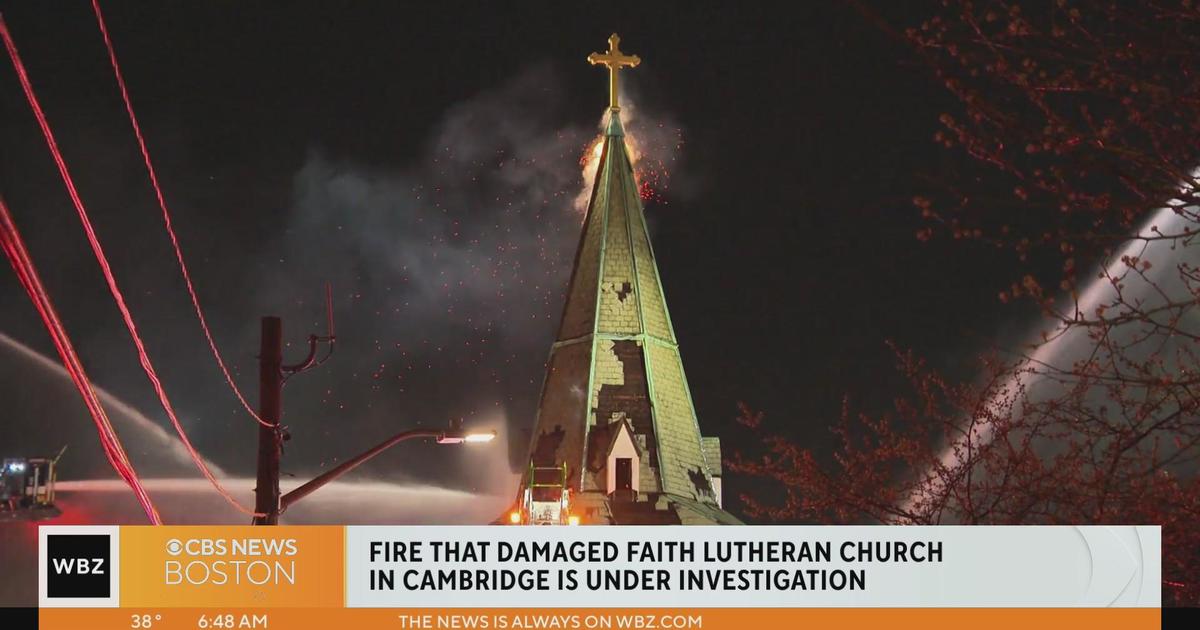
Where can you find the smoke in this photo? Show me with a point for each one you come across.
(448, 277)
(655, 146)
(340, 502)
(655, 142)
(449, 273)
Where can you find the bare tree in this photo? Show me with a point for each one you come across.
(1081, 122)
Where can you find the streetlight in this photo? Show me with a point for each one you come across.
(450, 436)
(458, 437)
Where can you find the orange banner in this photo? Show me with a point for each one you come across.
(232, 566)
(588, 618)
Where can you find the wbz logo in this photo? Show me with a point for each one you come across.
(77, 566)
(93, 566)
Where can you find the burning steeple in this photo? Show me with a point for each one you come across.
(616, 438)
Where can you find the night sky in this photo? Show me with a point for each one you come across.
(425, 159)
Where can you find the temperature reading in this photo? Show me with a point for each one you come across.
(143, 621)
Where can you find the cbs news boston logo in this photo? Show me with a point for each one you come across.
(234, 561)
(78, 567)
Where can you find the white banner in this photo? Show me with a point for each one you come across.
(753, 566)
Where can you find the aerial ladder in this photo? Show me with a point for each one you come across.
(545, 499)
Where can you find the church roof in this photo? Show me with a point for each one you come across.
(616, 357)
(616, 354)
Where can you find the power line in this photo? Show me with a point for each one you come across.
(110, 279)
(162, 204)
(14, 247)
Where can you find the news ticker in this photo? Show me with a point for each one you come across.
(595, 577)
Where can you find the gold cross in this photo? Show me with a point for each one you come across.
(615, 60)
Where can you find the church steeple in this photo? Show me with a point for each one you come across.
(615, 368)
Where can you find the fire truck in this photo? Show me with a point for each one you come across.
(27, 488)
(546, 499)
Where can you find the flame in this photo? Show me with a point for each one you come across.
(634, 149)
(650, 159)
(589, 161)
(649, 162)
(592, 158)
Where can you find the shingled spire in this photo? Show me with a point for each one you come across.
(616, 367)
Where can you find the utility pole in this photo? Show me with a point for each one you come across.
(271, 375)
(270, 438)
(271, 434)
